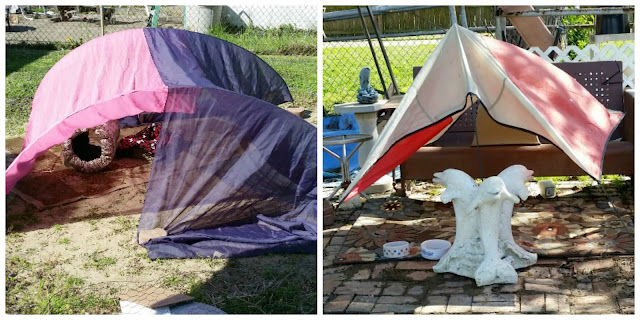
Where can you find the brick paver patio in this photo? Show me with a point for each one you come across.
(583, 285)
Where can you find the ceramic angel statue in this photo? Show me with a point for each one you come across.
(366, 94)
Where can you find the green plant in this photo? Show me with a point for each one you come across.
(578, 36)
(98, 261)
(69, 43)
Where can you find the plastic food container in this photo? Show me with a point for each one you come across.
(395, 249)
(434, 249)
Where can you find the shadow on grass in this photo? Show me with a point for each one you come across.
(19, 28)
(272, 284)
(19, 55)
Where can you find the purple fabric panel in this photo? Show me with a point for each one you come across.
(166, 248)
(233, 175)
(191, 59)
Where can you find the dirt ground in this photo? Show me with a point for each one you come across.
(90, 245)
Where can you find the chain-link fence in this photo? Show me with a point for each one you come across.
(409, 36)
(284, 36)
(292, 28)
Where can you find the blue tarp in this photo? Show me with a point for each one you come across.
(335, 126)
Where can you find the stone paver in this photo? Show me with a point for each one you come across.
(337, 241)
(420, 275)
(329, 285)
(362, 304)
(332, 249)
(594, 304)
(379, 268)
(495, 307)
(582, 289)
(593, 265)
(396, 308)
(546, 288)
(338, 305)
(334, 276)
(626, 305)
(459, 303)
(511, 288)
(440, 290)
(397, 299)
(360, 288)
(434, 304)
(415, 290)
(532, 303)
(394, 289)
(362, 274)
(416, 265)
(601, 287)
(557, 303)
(509, 297)
(537, 272)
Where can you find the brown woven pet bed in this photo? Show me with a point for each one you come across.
(80, 154)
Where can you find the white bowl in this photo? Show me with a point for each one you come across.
(395, 249)
(434, 249)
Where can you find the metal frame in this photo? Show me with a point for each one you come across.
(344, 159)
(569, 12)
(488, 29)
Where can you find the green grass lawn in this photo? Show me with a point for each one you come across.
(27, 66)
(25, 69)
(284, 40)
(300, 74)
(341, 68)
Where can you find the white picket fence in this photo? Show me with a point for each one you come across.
(592, 52)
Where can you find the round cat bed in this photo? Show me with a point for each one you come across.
(81, 154)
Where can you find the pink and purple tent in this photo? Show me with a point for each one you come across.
(233, 174)
(517, 88)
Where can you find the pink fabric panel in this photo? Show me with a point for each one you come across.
(106, 78)
(122, 106)
(583, 122)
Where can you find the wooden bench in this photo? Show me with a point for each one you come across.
(456, 150)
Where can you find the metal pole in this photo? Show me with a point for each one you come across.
(452, 15)
(488, 29)
(101, 21)
(384, 51)
(373, 52)
(501, 23)
(377, 10)
(463, 16)
(569, 12)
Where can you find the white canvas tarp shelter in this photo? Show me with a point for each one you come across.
(517, 88)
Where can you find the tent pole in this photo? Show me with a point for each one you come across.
(463, 17)
(384, 51)
(373, 52)
(452, 15)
